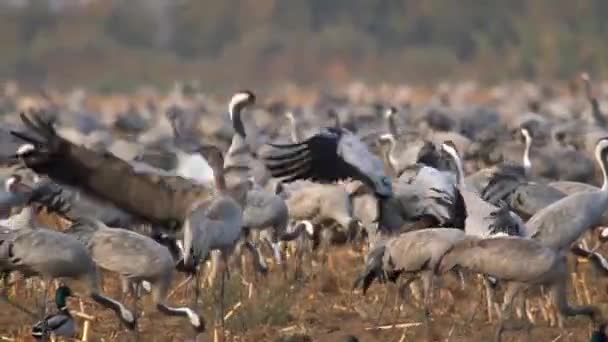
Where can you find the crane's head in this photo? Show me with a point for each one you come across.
(601, 149)
(390, 112)
(239, 101)
(449, 147)
(526, 134)
(386, 138)
(289, 116)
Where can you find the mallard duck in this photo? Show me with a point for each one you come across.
(60, 323)
(599, 335)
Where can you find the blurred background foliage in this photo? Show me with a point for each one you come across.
(113, 45)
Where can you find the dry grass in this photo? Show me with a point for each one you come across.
(320, 307)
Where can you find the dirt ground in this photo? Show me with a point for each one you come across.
(319, 307)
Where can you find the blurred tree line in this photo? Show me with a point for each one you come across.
(115, 44)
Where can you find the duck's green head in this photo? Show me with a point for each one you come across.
(61, 296)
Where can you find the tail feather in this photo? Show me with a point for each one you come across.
(372, 270)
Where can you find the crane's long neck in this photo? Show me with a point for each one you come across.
(219, 177)
(296, 131)
(387, 154)
(390, 153)
(600, 158)
(527, 163)
(596, 112)
(391, 123)
(236, 166)
(459, 168)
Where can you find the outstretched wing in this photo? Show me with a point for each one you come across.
(314, 159)
(163, 200)
(331, 155)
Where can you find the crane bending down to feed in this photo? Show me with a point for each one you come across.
(522, 263)
(51, 255)
(415, 253)
(147, 261)
(21, 195)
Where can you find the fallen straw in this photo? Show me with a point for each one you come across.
(233, 310)
(395, 326)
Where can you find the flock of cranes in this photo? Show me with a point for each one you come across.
(409, 197)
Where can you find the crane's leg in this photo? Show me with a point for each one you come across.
(427, 285)
(301, 249)
(197, 287)
(259, 264)
(135, 287)
(461, 278)
(212, 274)
(45, 289)
(511, 292)
(124, 288)
(278, 250)
(326, 236)
(220, 307)
(489, 297)
(401, 296)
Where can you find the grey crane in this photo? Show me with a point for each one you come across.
(318, 203)
(426, 189)
(525, 197)
(136, 258)
(267, 211)
(218, 226)
(50, 255)
(412, 253)
(20, 195)
(596, 111)
(522, 263)
(327, 207)
(261, 209)
(562, 223)
(483, 219)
